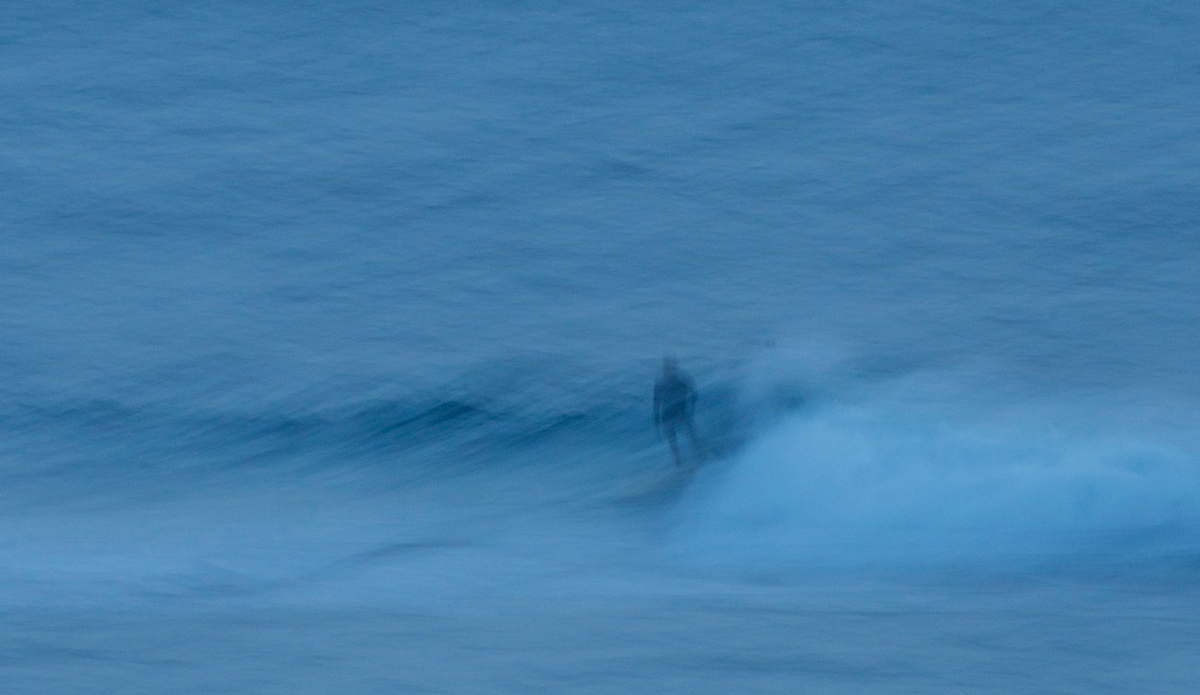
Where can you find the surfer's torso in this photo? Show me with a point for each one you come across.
(673, 396)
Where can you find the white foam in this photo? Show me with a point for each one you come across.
(891, 481)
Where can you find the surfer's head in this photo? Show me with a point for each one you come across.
(670, 364)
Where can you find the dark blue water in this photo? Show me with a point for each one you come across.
(329, 334)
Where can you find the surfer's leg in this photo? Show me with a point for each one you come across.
(697, 445)
(669, 428)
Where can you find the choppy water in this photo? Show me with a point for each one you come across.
(329, 332)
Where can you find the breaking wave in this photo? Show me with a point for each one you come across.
(899, 479)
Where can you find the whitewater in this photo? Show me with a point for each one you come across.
(330, 332)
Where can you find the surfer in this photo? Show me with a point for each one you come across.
(674, 401)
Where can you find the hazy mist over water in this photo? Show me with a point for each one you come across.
(330, 330)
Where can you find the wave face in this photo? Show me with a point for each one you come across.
(488, 415)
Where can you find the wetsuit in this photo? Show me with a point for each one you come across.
(674, 400)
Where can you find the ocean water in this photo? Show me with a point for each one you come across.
(329, 333)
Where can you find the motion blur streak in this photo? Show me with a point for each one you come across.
(330, 331)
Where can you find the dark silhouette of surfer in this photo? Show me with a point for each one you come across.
(674, 401)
